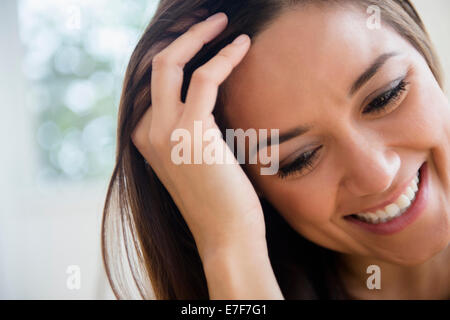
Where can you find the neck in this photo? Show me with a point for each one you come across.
(429, 280)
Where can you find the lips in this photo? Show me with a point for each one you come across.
(409, 216)
(392, 210)
(391, 199)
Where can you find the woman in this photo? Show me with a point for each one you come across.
(359, 208)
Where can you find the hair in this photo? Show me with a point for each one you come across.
(148, 249)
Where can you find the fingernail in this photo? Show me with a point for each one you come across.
(240, 40)
(217, 16)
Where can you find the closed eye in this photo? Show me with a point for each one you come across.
(387, 98)
(382, 103)
(304, 161)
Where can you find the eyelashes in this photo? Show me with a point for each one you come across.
(305, 160)
(387, 98)
(382, 103)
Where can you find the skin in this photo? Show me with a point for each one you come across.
(227, 222)
(218, 214)
(292, 77)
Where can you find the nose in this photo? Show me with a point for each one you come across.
(370, 166)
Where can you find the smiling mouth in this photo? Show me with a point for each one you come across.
(394, 209)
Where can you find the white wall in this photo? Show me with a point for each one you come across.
(43, 229)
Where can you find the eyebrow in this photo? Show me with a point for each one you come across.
(371, 71)
(361, 81)
(290, 134)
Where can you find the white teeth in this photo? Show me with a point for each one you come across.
(413, 186)
(403, 202)
(395, 209)
(392, 209)
(409, 193)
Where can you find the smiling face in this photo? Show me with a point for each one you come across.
(375, 115)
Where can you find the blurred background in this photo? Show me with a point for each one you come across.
(62, 64)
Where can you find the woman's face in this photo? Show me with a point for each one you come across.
(375, 115)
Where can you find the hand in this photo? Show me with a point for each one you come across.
(217, 201)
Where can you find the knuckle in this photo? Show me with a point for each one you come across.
(225, 60)
(160, 60)
(203, 75)
(194, 29)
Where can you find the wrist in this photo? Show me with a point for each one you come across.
(241, 272)
(254, 248)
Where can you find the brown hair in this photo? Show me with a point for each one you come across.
(144, 237)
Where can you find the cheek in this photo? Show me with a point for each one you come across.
(302, 202)
(435, 126)
(418, 122)
(427, 112)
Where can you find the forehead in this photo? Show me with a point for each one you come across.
(308, 57)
